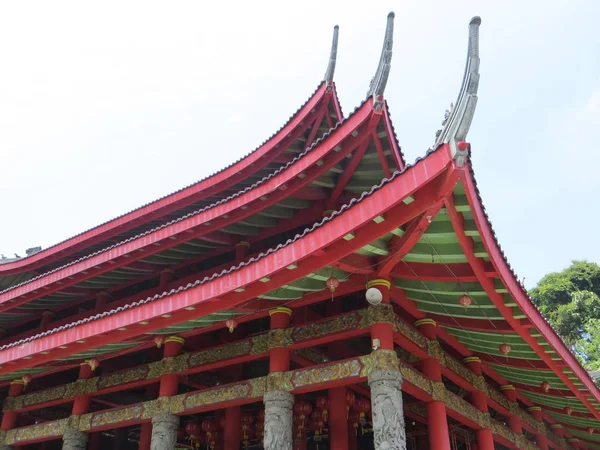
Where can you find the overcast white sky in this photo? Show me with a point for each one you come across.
(105, 106)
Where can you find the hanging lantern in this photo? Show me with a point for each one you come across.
(545, 386)
(222, 422)
(231, 324)
(350, 400)
(374, 296)
(303, 409)
(362, 406)
(332, 283)
(209, 426)
(159, 341)
(465, 300)
(504, 349)
(591, 430)
(568, 410)
(353, 419)
(194, 432)
(322, 404)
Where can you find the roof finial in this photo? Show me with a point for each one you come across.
(457, 120)
(379, 81)
(332, 56)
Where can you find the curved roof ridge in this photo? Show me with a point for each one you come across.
(45, 253)
(198, 211)
(379, 81)
(332, 56)
(577, 367)
(354, 201)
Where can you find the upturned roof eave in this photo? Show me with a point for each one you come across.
(323, 93)
(516, 289)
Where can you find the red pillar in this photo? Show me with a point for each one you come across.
(241, 250)
(96, 441)
(514, 422)
(10, 418)
(232, 434)
(382, 332)
(540, 438)
(338, 419)
(81, 402)
(169, 382)
(166, 276)
(437, 417)
(485, 438)
(101, 301)
(279, 357)
(574, 443)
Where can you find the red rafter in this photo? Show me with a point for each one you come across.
(171, 309)
(210, 186)
(382, 159)
(467, 245)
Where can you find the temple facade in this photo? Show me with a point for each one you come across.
(319, 293)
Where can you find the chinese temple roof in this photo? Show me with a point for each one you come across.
(325, 196)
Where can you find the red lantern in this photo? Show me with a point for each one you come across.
(222, 422)
(322, 404)
(568, 410)
(194, 431)
(591, 430)
(209, 426)
(363, 406)
(504, 348)
(303, 409)
(332, 283)
(545, 386)
(353, 419)
(231, 324)
(350, 399)
(317, 414)
(465, 300)
(246, 418)
(26, 379)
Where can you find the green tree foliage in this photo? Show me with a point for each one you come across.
(570, 300)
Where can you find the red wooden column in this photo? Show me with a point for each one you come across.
(9, 418)
(241, 250)
(145, 436)
(514, 421)
(169, 383)
(232, 434)
(485, 438)
(338, 419)
(279, 356)
(437, 419)
(540, 438)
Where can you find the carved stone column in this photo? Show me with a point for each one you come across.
(164, 432)
(278, 420)
(388, 412)
(75, 440)
(6, 447)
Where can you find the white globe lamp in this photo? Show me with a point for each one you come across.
(374, 296)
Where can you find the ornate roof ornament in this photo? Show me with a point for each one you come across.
(457, 119)
(332, 56)
(377, 86)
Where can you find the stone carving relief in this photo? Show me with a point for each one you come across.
(388, 413)
(164, 432)
(278, 420)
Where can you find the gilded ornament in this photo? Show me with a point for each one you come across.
(47, 429)
(280, 338)
(220, 353)
(217, 395)
(479, 383)
(458, 368)
(158, 406)
(410, 332)
(311, 354)
(438, 391)
(104, 418)
(385, 360)
(258, 387)
(81, 387)
(123, 377)
(330, 372)
(260, 344)
(382, 313)
(85, 422)
(415, 378)
(279, 381)
(434, 349)
(325, 327)
(500, 399)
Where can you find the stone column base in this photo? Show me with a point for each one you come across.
(388, 412)
(164, 432)
(75, 440)
(278, 420)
